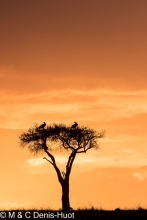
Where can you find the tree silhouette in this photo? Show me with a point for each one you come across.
(77, 140)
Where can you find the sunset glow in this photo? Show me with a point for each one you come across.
(66, 61)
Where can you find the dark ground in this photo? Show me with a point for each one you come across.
(81, 214)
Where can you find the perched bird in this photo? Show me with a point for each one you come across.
(42, 126)
(74, 125)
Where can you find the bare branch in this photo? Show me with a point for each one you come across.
(64, 141)
(47, 160)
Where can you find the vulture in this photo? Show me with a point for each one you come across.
(74, 125)
(42, 126)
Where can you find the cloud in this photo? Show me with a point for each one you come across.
(36, 162)
(8, 73)
(14, 205)
(96, 105)
(127, 151)
(62, 160)
(139, 176)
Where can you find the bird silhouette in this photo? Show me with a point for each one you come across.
(42, 126)
(74, 125)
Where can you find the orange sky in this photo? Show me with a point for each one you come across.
(62, 61)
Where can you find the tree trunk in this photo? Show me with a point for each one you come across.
(65, 196)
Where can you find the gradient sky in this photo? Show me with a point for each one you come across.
(82, 60)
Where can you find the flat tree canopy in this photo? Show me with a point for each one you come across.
(80, 139)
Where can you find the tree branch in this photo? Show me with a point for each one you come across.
(60, 178)
(48, 160)
(70, 162)
(65, 141)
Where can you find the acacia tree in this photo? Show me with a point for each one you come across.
(74, 140)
